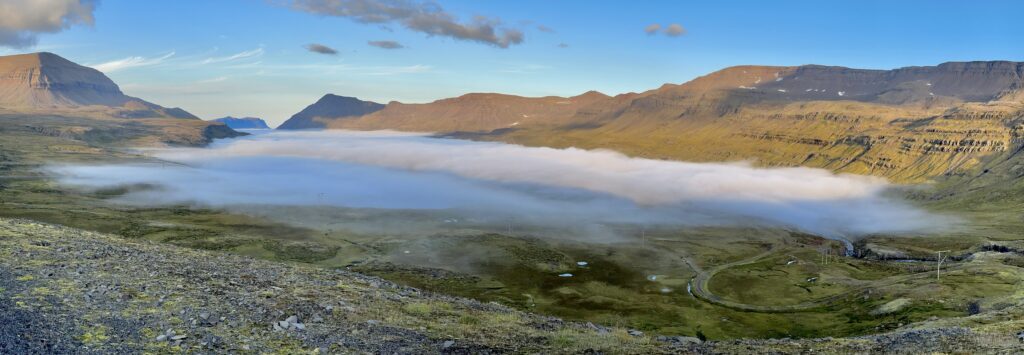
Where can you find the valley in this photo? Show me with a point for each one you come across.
(746, 285)
(728, 284)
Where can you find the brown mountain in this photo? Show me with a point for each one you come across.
(328, 109)
(474, 112)
(46, 94)
(908, 124)
(45, 82)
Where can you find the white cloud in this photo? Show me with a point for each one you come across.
(130, 62)
(407, 171)
(424, 17)
(218, 79)
(241, 55)
(22, 20)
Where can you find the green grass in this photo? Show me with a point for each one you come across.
(613, 289)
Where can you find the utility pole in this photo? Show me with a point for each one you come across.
(938, 266)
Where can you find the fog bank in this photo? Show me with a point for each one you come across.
(401, 171)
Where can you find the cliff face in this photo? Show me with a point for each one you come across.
(329, 108)
(959, 81)
(46, 82)
(909, 124)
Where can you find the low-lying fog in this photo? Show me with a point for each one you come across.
(465, 180)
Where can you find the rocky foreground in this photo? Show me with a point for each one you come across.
(64, 290)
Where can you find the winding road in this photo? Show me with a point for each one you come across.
(700, 287)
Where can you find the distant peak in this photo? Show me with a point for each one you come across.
(333, 96)
(591, 93)
(329, 98)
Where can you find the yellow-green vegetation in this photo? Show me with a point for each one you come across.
(630, 283)
(912, 143)
(215, 307)
(94, 335)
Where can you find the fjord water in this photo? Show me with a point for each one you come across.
(457, 180)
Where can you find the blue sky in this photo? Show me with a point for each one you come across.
(247, 57)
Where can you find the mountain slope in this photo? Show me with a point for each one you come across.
(329, 108)
(474, 112)
(909, 124)
(46, 82)
(243, 122)
(44, 94)
(61, 285)
(43, 80)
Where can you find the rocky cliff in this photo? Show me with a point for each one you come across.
(909, 124)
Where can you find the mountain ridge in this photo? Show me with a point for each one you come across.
(329, 107)
(48, 94)
(46, 82)
(242, 122)
(910, 124)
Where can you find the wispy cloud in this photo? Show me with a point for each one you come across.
(205, 87)
(386, 44)
(527, 68)
(130, 62)
(218, 79)
(545, 29)
(675, 30)
(563, 45)
(652, 28)
(241, 55)
(672, 30)
(425, 17)
(385, 70)
(21, 21)
(322, 49)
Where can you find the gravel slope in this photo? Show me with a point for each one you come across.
(67, 291)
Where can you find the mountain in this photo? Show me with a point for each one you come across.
(44, 94)
(46, 82)
(243, 122)
(473, 112)
(329, 108)
(908, 124)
